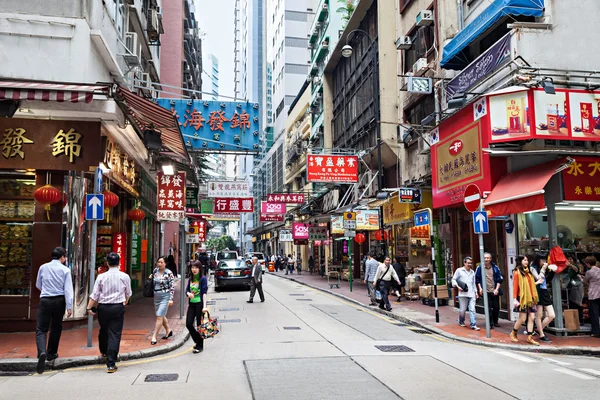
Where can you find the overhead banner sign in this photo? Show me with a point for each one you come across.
(300, 231)
(409, 195)
(317, 233)
(272, 208)
(234, 205)
(286, 198)
(216, 125)
(271, 217)
(229, 189)
(328, 168)
(191, 197)
(171, 197)
(286, 236)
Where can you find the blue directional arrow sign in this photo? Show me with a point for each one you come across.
(480, 222)
(94, 207)
(422, 218)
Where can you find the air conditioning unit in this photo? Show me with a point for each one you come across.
(325, 45)
(316, 80)
(404, 80)
(425, 18)
(403, 43)
(154, 25)
(132, 50)
(419, 67)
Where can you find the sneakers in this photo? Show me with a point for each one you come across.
(41, 365)
(112, 369)
(475, 328)
(513, 336)
(531, 341)
(461, 324)
(545, 339)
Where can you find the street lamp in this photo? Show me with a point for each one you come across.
(347, 51)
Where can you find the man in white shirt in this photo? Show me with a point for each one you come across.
(112, 291)
(386, 273)
(371, 266)
(464, 280)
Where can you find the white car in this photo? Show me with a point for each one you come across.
(261, 259)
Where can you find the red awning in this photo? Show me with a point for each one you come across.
(521, 191)
(146, 114)
(61, 92)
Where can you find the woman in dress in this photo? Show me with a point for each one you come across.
(542, 273)
(163, 297)
(196, 291)
(526, 299)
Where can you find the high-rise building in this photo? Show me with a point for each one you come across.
(210, 76)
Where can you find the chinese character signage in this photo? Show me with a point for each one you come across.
(395, 211)
(409, 195)
(171, 197)
(120, 247)
(300, 230)
(234, 205)
(202, 228)
(136, 248)
(13, 141)
(229, 189)
(271, 217)
(272, 208)
(123, 168)
(581, 180)
(290, 198)
(191, 197)
(206, 206)
(328, 168)
(317, 233)
(216, 125)
(286, 236)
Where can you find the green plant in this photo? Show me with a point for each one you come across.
(347, 9)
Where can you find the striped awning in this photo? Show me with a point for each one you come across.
(147, 115)
(74, 93)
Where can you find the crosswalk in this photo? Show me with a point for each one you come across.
(564, 367)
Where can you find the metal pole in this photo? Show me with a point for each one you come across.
(483, 283)
(94, 235)
(435, 294)
(378, 136)
(350, 259)
(182, 270)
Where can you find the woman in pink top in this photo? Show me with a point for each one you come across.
(592, 279)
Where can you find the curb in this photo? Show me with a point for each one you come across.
(29, 364)
(567, 350)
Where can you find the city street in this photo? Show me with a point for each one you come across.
(305, 344)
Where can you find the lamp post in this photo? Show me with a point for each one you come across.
(347, 52)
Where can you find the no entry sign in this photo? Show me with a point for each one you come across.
(472, 198)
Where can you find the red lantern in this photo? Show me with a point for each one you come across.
(136, 215)
(378, 235)
(110, 200)
(360, 238)
(47, 195)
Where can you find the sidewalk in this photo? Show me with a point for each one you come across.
(18, 351)
(417, 314)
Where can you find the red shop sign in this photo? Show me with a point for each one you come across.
(119, 246)
(234, 205)
(285, 198)
(326, 168)
(271, 218)
(581, 180)
(171, 197)
(201, 230)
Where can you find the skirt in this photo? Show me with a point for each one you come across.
(161, 303)
(545, 299)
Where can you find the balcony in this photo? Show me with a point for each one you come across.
(323, 10)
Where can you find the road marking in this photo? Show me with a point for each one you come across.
(590, 371)
(573, 373)
(515, 356)
(557, 362)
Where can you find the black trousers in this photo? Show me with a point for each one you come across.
(595, 316)
(256, 285)
(494, 307)
(110, 318)
(194, 312)
(49, 315)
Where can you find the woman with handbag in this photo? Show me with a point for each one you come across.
(526, 299)
(164, 290)
(196, 290)
(574, 273)
(542, 272)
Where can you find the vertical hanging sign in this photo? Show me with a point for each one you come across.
(171, 197)
(120, 247)
(136, 246)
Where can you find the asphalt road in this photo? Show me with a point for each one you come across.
(305, 344)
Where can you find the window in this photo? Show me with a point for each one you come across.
(296, 69)
(419, 111)
(422, 39)
(296, 42)
(404, 4)
(296, 16)
(279, 108)
(289, 100)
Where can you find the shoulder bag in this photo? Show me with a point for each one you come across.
(380, 279)
(149, 287)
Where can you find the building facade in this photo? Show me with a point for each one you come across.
(210, 74)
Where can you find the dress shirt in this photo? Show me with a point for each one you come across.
(112, 287)
(371, 269)
(386, 276)
(54, 279)
(592, 279)
(467, 277)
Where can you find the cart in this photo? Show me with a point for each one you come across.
(334, 277)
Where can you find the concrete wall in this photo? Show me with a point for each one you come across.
(388, 82)
(172, 52)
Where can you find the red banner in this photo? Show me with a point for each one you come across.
(271, 218)
(325, 168)
(285, 198)
(201, 230)
(581, 180)
(119, 245)
(171, 197)
(234, 205)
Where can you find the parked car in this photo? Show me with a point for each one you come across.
(231, 273)
(261, 259)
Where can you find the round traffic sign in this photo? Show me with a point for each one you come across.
(472, 198)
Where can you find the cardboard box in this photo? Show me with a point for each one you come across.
(426, 291)
(571, 320)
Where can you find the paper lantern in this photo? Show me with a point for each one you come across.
(378, 235)
(47, 195)
(110, 201)
(136, 215)
(360, 238)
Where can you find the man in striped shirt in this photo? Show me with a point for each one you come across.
(111, 293)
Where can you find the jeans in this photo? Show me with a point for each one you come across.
(466, 303)
(110, 318)
(256, 285)
(384, 288)
(372, 292)
(49, 315)
(494, 307)
(595, 316)
(194, 312)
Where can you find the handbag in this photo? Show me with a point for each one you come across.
(149, 287)
(380, 279)
(209, 327)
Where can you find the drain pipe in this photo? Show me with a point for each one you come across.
(461, 19)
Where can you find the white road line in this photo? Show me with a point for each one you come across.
(590, 371)
(553, 361)
(515, 356)
(573, 373)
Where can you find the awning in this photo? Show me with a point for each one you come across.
(521, 191)
(146, 114)
(61, 92)
(493, 13)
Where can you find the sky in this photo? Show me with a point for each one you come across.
(215, 19)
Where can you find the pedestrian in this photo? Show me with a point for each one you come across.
(203, 258)
(526, 299)
(542, 272)
(196, 290)
(574, 273)
(370, 271)
(385, 274)
(290, 265)
(299, 265)
(171, 265)
(56, 286)
(256, 281)
(311, 265)
(592, 279)
(322, 267)
(493, 280)
(401, 272)
(464, 280)
(111, 293)
(164, 289)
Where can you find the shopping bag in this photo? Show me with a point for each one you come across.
(378, 295)
(209, 327)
